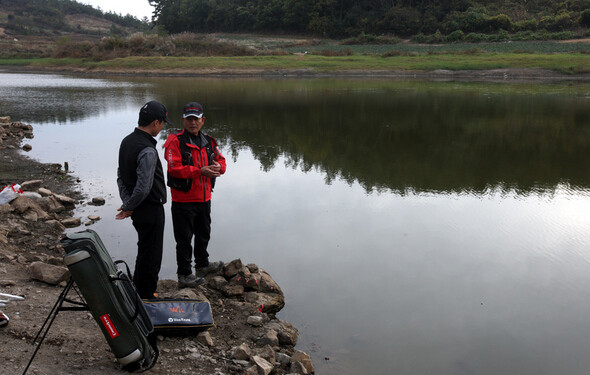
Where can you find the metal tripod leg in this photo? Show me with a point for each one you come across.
(51, 317)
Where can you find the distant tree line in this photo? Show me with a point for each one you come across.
(345, 18)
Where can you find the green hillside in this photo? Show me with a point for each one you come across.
(62, 17)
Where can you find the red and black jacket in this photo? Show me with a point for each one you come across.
(185, 161)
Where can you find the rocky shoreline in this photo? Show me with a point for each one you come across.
(247, 337)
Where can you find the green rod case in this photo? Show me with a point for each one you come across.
(111, 299)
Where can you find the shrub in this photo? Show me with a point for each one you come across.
(84, 49)
(419, 38)
(112, 43)
(398, 53)
(455, 36)
(560, 22)
(584, 19)
(526, 25)
(524, 35)
(500, 22)
(330, 52)
(562, 35)
(475, 37)
(362, 38)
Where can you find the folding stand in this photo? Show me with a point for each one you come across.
(53, 314)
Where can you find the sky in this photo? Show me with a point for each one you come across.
(137, 8)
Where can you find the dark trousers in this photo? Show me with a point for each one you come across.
(191, 219)
(148, 220)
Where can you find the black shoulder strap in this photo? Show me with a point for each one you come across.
(185, 151)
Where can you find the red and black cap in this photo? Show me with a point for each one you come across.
(151, 111)
(193, 109)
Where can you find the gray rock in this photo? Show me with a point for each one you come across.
(255, 321)
(241, 353)
(241, 363)
(267, 283)
(282, 360)
(251, 371)
(231, 269)
(48, 273)
(268, 353)
(269, 338)
(270, 303)
(232, 290)
(23, 204)
(217, 282)
(64, 199)
(205, 338)
(6, 208)
(298, 368)
(72, 222)
(27, 147)
(263, 366)
(304, 359)
(31, 216)
(50, 204)
(44, 192)
(93, 217)
(7, 283)
(187, 293)
(98, 201)
(287, 334)
(32, 185)
(56, 225)
(252, 267)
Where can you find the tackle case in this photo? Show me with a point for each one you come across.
(175, 316)
(112, 300)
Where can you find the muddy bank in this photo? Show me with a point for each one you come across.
(486, 75)
(247, 338)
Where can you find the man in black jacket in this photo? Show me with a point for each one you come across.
(143, 191)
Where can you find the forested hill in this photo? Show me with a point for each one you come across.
(341, 18)
(55, 17)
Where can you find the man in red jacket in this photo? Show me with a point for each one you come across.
(194, 162)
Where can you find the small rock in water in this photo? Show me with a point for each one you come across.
(72, 222)
(98, 201)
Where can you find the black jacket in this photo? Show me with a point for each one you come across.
(130, 148)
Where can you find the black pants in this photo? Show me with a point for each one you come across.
(191, 219)
(148, 220)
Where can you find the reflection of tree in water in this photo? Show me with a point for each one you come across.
(61, 104)
(420, 141)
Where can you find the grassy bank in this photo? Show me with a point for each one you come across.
(567, 63)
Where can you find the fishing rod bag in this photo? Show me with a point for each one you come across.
(179, 317)
(112, 300)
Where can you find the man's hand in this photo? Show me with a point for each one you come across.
(123, 214)
(211, 170)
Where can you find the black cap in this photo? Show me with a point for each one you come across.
(151, 111)
(193, 109)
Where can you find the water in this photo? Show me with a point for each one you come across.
(415, 227)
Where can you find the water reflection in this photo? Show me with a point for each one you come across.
(420, 141)
(387, 136)
(45, 98)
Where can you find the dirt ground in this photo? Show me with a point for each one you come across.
(75, 344)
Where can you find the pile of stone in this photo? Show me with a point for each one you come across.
(31, 229)
(11, 133)
(248, 337)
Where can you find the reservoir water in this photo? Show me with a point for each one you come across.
(415, 227)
